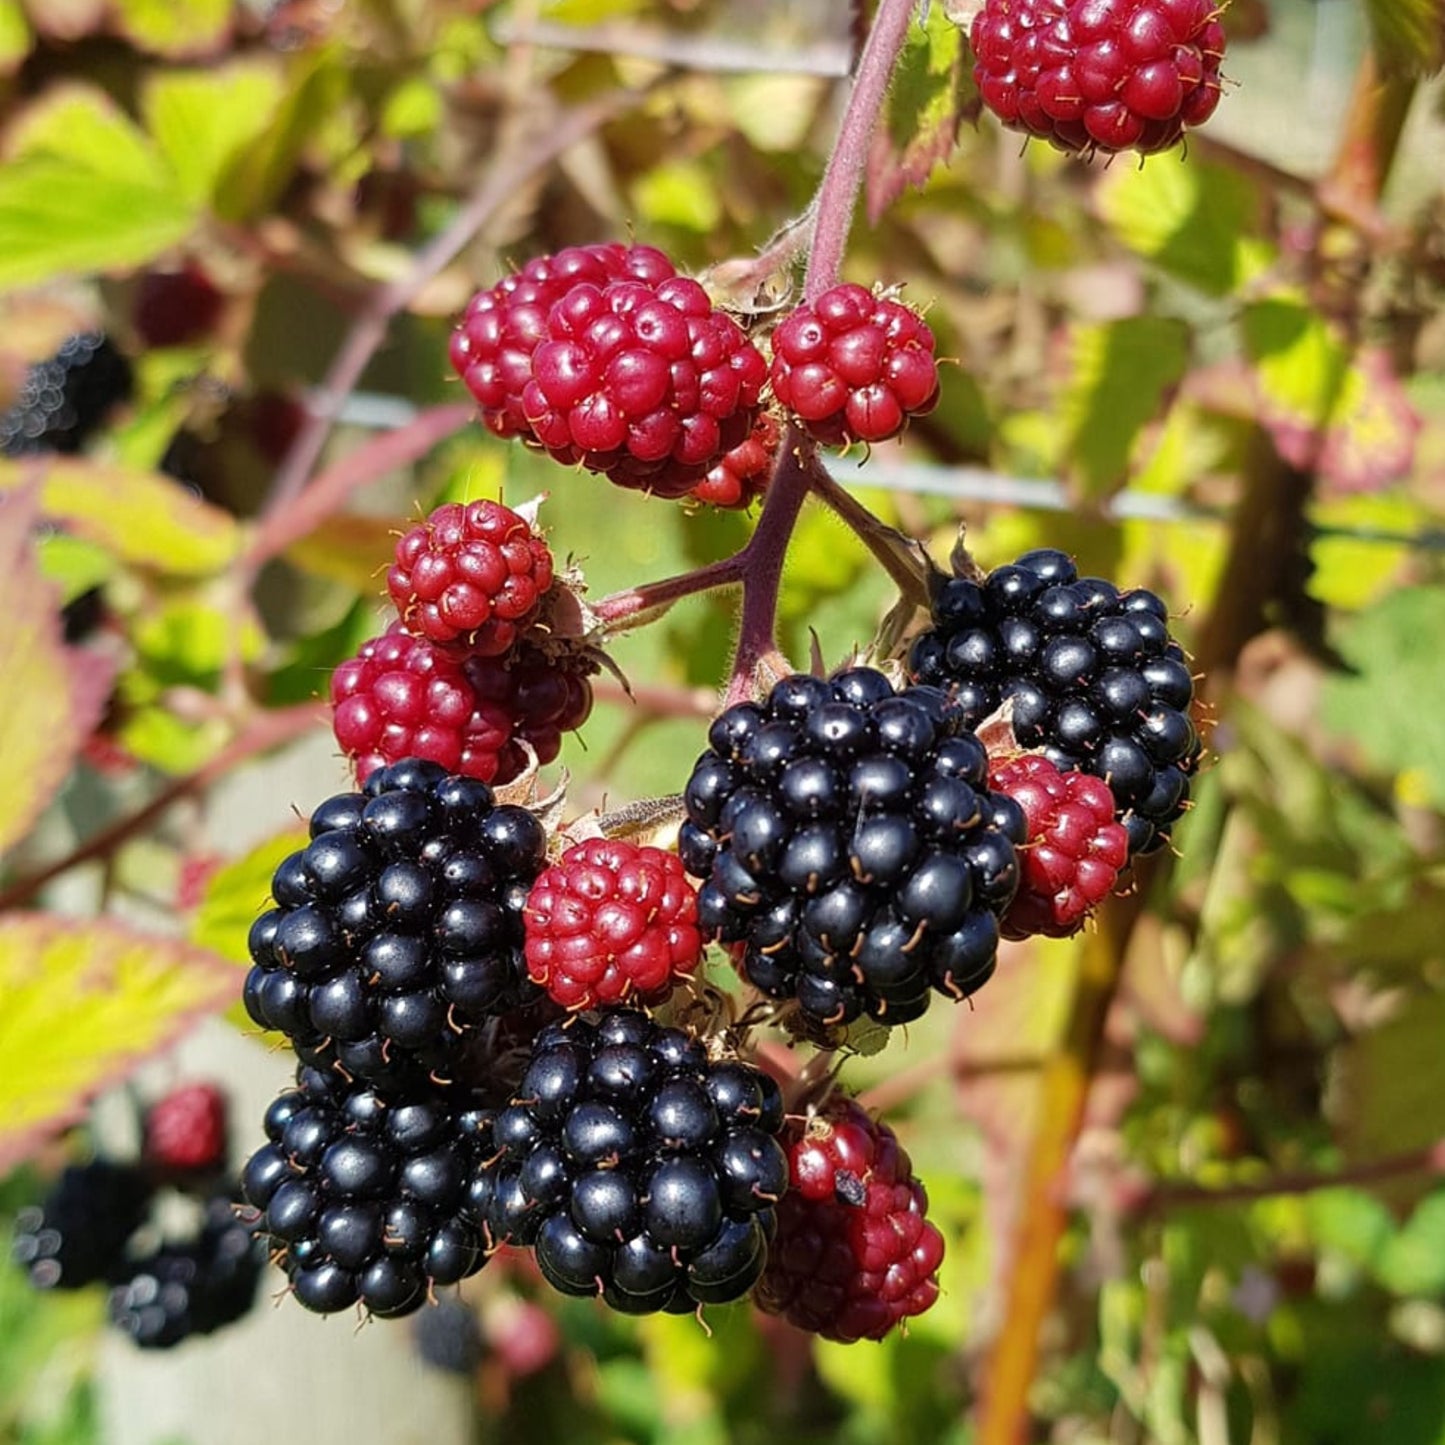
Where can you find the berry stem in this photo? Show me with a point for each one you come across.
(636, 603)
(762, 562)
(903, 560)
(838, 193)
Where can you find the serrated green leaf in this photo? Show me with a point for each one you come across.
(1119, 375)
(84, 190)
(174, 27)
(1393, 702)
(930, 95)
(203, 119)
(1198, 222)
(47, 715)
(142, 517)
(80, 1005)
(1409, 35)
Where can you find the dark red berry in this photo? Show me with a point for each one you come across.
(1074, 851)
(853, 366)
(855, 1253)
(185, 1132)
(1106, 75)
(470, 577)
(610, 922)
(607, 359)
(176, 307)
(741, 477)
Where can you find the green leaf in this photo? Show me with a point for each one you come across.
(142, 517)
(1412, 1262)
(74, 564)
(174, 27)
(1386, 1083)
(1120, 373)
(84, 190)
(678, 193)
(80, 1005)
(1352, 571)
(1393, 703)
(47, 713)
(1198, 222)
(930, 96)
(203, 119)
(1409, 34)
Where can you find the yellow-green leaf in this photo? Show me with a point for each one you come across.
(234, 898)
(203, 119)
(1195, 221)
(84, 190)
(47, 715)
(80, 1005)
(1120, 373)
(141, 516)
(350, 547)
(174, 27)
(1409, 34)
(14, 35)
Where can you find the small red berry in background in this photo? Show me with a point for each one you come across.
(185, 1132)
(1107, 75)
(853, 367)
(855, 1254)
(741, 477)
(1074, 852)
(176, 307)
(611, 921)
(470, 577)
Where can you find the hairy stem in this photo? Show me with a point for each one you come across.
(634, 602)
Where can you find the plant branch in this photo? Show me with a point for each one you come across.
(633, 602)
(838, 192)
(327, 492)
(903, 560)
(268, 730)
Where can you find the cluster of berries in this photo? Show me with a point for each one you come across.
(64, 400)
(605, 358)
(470, 675)
(97, 1225)
(1099, 75)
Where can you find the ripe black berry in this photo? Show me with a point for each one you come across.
(852, 854)
(398, 930)
(1094, 680)
(78, 1235)
(371, 1199)
(637, 1169)
(64, 400)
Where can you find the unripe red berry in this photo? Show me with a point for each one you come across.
(185, 1132)
(470, 578)
(740, 477)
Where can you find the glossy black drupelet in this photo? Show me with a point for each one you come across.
(397, 932)
(370, 1199)
(849, 848)
(64, 400)
(636, 1169)
(1095, 679)
(78, 1235)
(193, 1288)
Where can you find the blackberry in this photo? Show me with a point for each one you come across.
(449, 1337)
(635, 1168)
(398, 930)
(78, 1235)
(64, 400)
(194, 1288)
(853, 855)
(371, 1199)
(1096, 681)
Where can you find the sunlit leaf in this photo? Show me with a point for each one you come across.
(931, 95)
(203, 119)
(143, 517)
(679, 193)
(1409, 34)
(84, 190)
(174, 27)
(1354, 556)
(1198, 222)
(1372, 430)
(14, 35)
(1393, 702)
(1120, 373)
(80, 1005)
(47, 715)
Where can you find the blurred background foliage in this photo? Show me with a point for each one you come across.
(1188, 1164)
